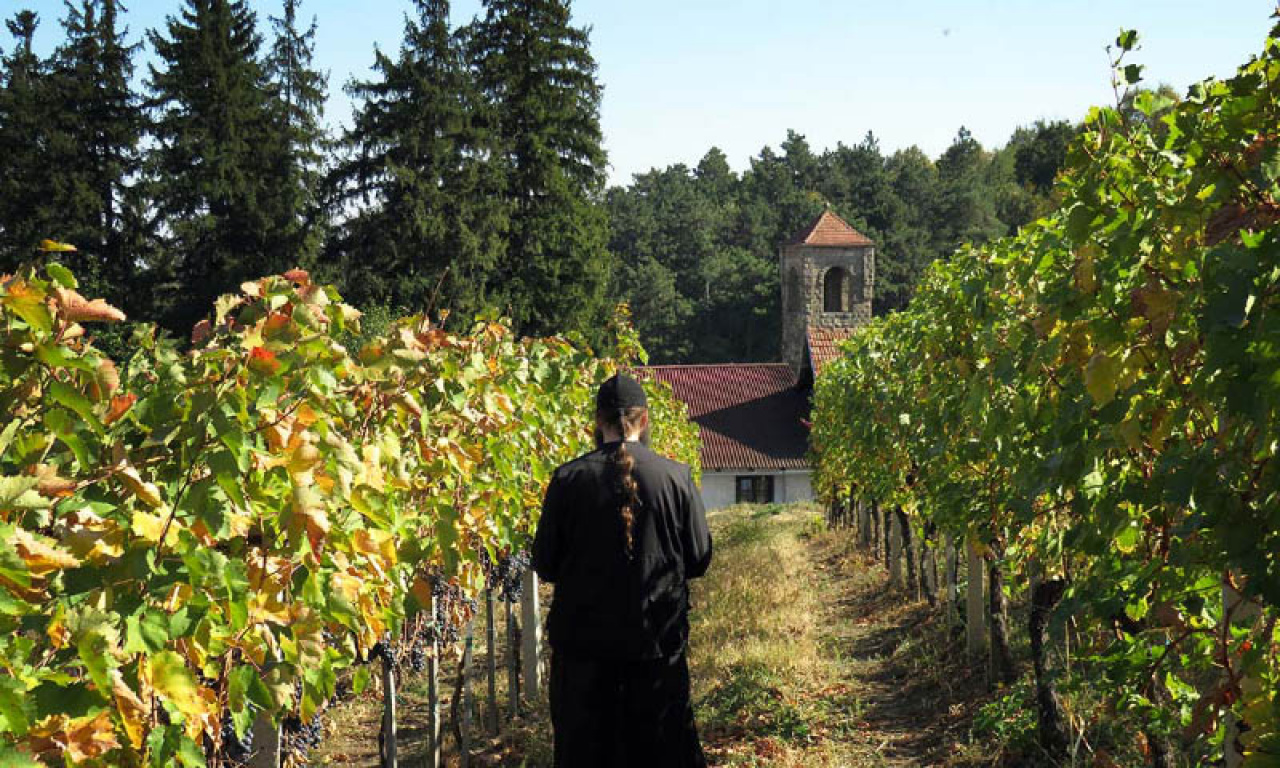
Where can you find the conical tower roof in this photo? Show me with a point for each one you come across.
(830, 231)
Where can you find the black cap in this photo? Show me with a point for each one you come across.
(619, 392)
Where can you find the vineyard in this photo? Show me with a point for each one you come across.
(1090, 410)
(192, 542)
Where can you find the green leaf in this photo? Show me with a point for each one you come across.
(1132, 74)
(360, 680)
(65, 395)
(1127, 40)
(10, 757)
(15, 708)
(146, 632)
(21, 493)
(1127, 540)
(62, 275)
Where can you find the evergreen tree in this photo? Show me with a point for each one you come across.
(26, 108)
(217, 155)
(95, 132)
(536, 71)
(966, 207)
(299, 92)
(417, 169)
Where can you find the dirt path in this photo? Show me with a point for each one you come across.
(800, 656)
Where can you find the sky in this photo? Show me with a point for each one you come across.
(681, 76)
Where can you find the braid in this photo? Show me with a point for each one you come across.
(624, 463)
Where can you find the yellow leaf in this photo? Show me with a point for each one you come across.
(90, 537)
(147, 526)
(78, 739)
(1100, 377)
(171, 679)
(53, 246)
(51, 484)
(148, 493)
(306, 415)
(57, 631)
(40, 556)
(132, 711)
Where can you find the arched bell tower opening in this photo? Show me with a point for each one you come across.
(828, 272)
(835, 290)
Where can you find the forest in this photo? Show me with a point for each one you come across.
(465, 181)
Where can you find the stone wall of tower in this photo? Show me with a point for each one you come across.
(803, 270)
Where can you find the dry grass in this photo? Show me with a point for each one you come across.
(800, 656)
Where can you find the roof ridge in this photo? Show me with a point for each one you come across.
(846, 235)
(716, 365)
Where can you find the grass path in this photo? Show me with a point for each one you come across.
(799, 655)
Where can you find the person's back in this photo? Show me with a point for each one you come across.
(622, 530)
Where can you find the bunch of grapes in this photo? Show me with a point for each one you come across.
(235, 750)
(300, 738)
(511, 575)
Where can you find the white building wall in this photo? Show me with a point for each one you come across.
(718, 488)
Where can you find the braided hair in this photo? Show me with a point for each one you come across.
(627, 422)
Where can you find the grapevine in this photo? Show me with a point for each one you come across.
(1097, 400)
(191, 540)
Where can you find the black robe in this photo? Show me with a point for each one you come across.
(619, 622)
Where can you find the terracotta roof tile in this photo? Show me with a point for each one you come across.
(830, 231)
(823, 345)
(749, 415)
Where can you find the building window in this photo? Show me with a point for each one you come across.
(834, 290)
(754, 489)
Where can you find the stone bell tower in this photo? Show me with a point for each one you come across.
(828, 272)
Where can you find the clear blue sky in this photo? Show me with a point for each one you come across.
(683, 75)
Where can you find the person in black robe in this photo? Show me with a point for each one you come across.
(622, 531)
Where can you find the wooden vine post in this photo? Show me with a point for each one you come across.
(513, 662)
(267, 743)
(388, 712)
(951, 597)
(433, 697)
(975, 608)
(894, 526)
(491, 641)
(1237, 610)
(531, 637)
(462, 715)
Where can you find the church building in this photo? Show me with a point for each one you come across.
(753, 417)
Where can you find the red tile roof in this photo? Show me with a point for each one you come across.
(750, 415)
(830, 231)
(823, 345)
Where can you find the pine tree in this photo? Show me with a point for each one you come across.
(26, 108)
(538, 75)
(96, 128)
(427, 229)
(299, 92)
(214, 170)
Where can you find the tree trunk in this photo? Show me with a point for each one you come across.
(1054, 738)
(1002, 657)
